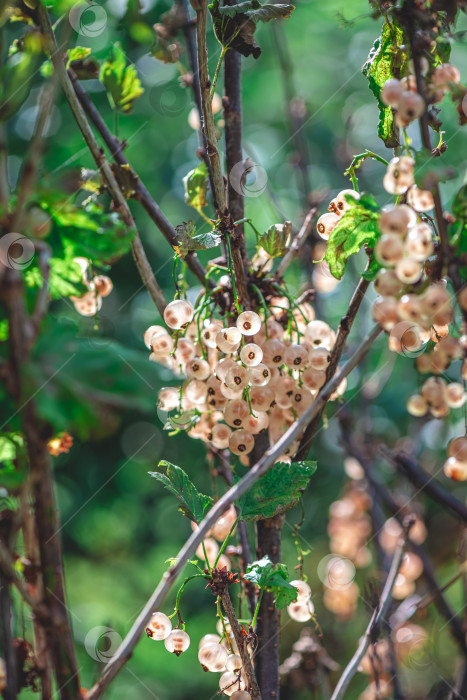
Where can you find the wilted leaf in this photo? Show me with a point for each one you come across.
(257, 12)
(385, 58)
(196, 184)
(277, 491)
(193, 504)
(274, 578)
(121, 81)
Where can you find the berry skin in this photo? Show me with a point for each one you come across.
(209, 638)
(159, 626)
(455, 469)
(260, 375)
(251, 354)
(385, 312)
(296, 356)
(419, 243)
(408, 270)
(233, 663)
(220, 436)
(387, 284)
(399, 175)
(445, 74)
(248, 323)
(303, 590)
(150, 332)
(458, 448)
(417, 406)
(103, 285)
(420, 200)
(178, 314)
(411, 106)
(241, 695)
(177, 642)
(213, 656)
(389, 249)
(224, 524)
(326, 224)
(241, 442)
(261, 398)
(197, 369)
(339, 205)
(236, 412)
(229, 683)
(301, 611)
(391, 92)
(455, 395)
(318, 333)
(237, 378)
(396, 219)
(273, 352)
(228, 340)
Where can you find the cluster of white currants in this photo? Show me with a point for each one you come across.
(218, 653)
(455, 466)
(436, 397)
(160, 629)
(99, 286)
(337, 206)
(407, 103)
(246, 378)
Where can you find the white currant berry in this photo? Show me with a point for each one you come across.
(445, 74)
(233, 663)
(162, 344)
(178, 314)
(313, 379)
(150, 332)
(261, 398)
(237, 377)
(223, 367)
(385, 312)
(391, 92)
(458, 448)
(197, 368)
(236, 412)
(319, 359)
(230, 682)
(339, 205)
(420, 200)
(248, 323)
(396, 220)
(419, 243)
(260, 375)
(88, 304)
(296, 356)
(169, 398)
(209, 639)
(408, 270)
(455, 469)
(387, 284)
(303, 590)
(301, 612)
(159, 626)
(177, 642)
(326, 224)
(389, 249)
(256, 422)
(411, 106)
(273, 352)
(185, 351)
(220, 436)
(318, 333)
(241, 442)
(231, 394)
(212, 550)
(251, 354)
(213, 656)
(228, 340)
(241, 695)
(222, 527)
(417, 406)
(455, 395)
(196, 391)
(399, 175)
(103, 285)
(209, 334)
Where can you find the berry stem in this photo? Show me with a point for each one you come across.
(232, 276)
(218, 69)
(255, 616)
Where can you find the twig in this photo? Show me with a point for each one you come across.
(10, 574)
(377, 618)
(139, 255)
(141, 193)
(225, 219)
(408, 466)
(247, 666)
(297, 243)
(186, 552)
(343, 331)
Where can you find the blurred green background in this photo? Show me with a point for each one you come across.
(119, 526)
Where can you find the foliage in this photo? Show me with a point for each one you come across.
(277, 491)
(121, 81)
(193, 504)
(189, 239)
(273, 578)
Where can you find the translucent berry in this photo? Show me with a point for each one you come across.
(319, 359)
(233, 663)
(458, 448)
(399, 175)
(385, 312)
(301, 611)
(224, 524)
(455, 469)
(408, 270)
(230, 682)
(88, 304)
(248, 323)
(208, 639)
(387, 284)
(228, 339)
(251, 354)
(162, 344)
(417, 406)
(177, 642)
(273, 352)
(420, 200)
(389, 249)
(236, 412)
(103, 285)
(296, 356)
(261, 398)
(303, 590)
(445, 74)
(237, 377)
(391, 92)
(197, 369)
(419, 243)
(196, 391)
(159, 626)
(150, 332)
(220, 436)
(396, 220)
(169, 398)
(410, 106)
(178, 314)
(257, 422)
(260, 375)
(223, 367)
(339, 204)
(455, 395)
(241, 442)
(326, 224)
(213, 657)
(209, 334)
(241, 695)
(313, 379)
(318, 333)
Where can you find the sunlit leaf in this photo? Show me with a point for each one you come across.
(193, 504)
(273, 578)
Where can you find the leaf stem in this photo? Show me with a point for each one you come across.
(218, 69)
(260, 597)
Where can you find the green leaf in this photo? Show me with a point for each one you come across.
(65, 278)
(188, 239)
(17, 73)
(386, 59)
(12, 476)
(196, 184)
(77, 54)
(358, 227)
(273, 578)
(274, 241)
(121, 81)
(193, 504)
(277, 491)
(372, 272)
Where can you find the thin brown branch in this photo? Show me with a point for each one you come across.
(268, 460)
(117, 195)
(298, 242)
(409, 467)
(240, 639)
(224, 216)
(376, 620)
(141, 193)
(343, 331)
(10, 574)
